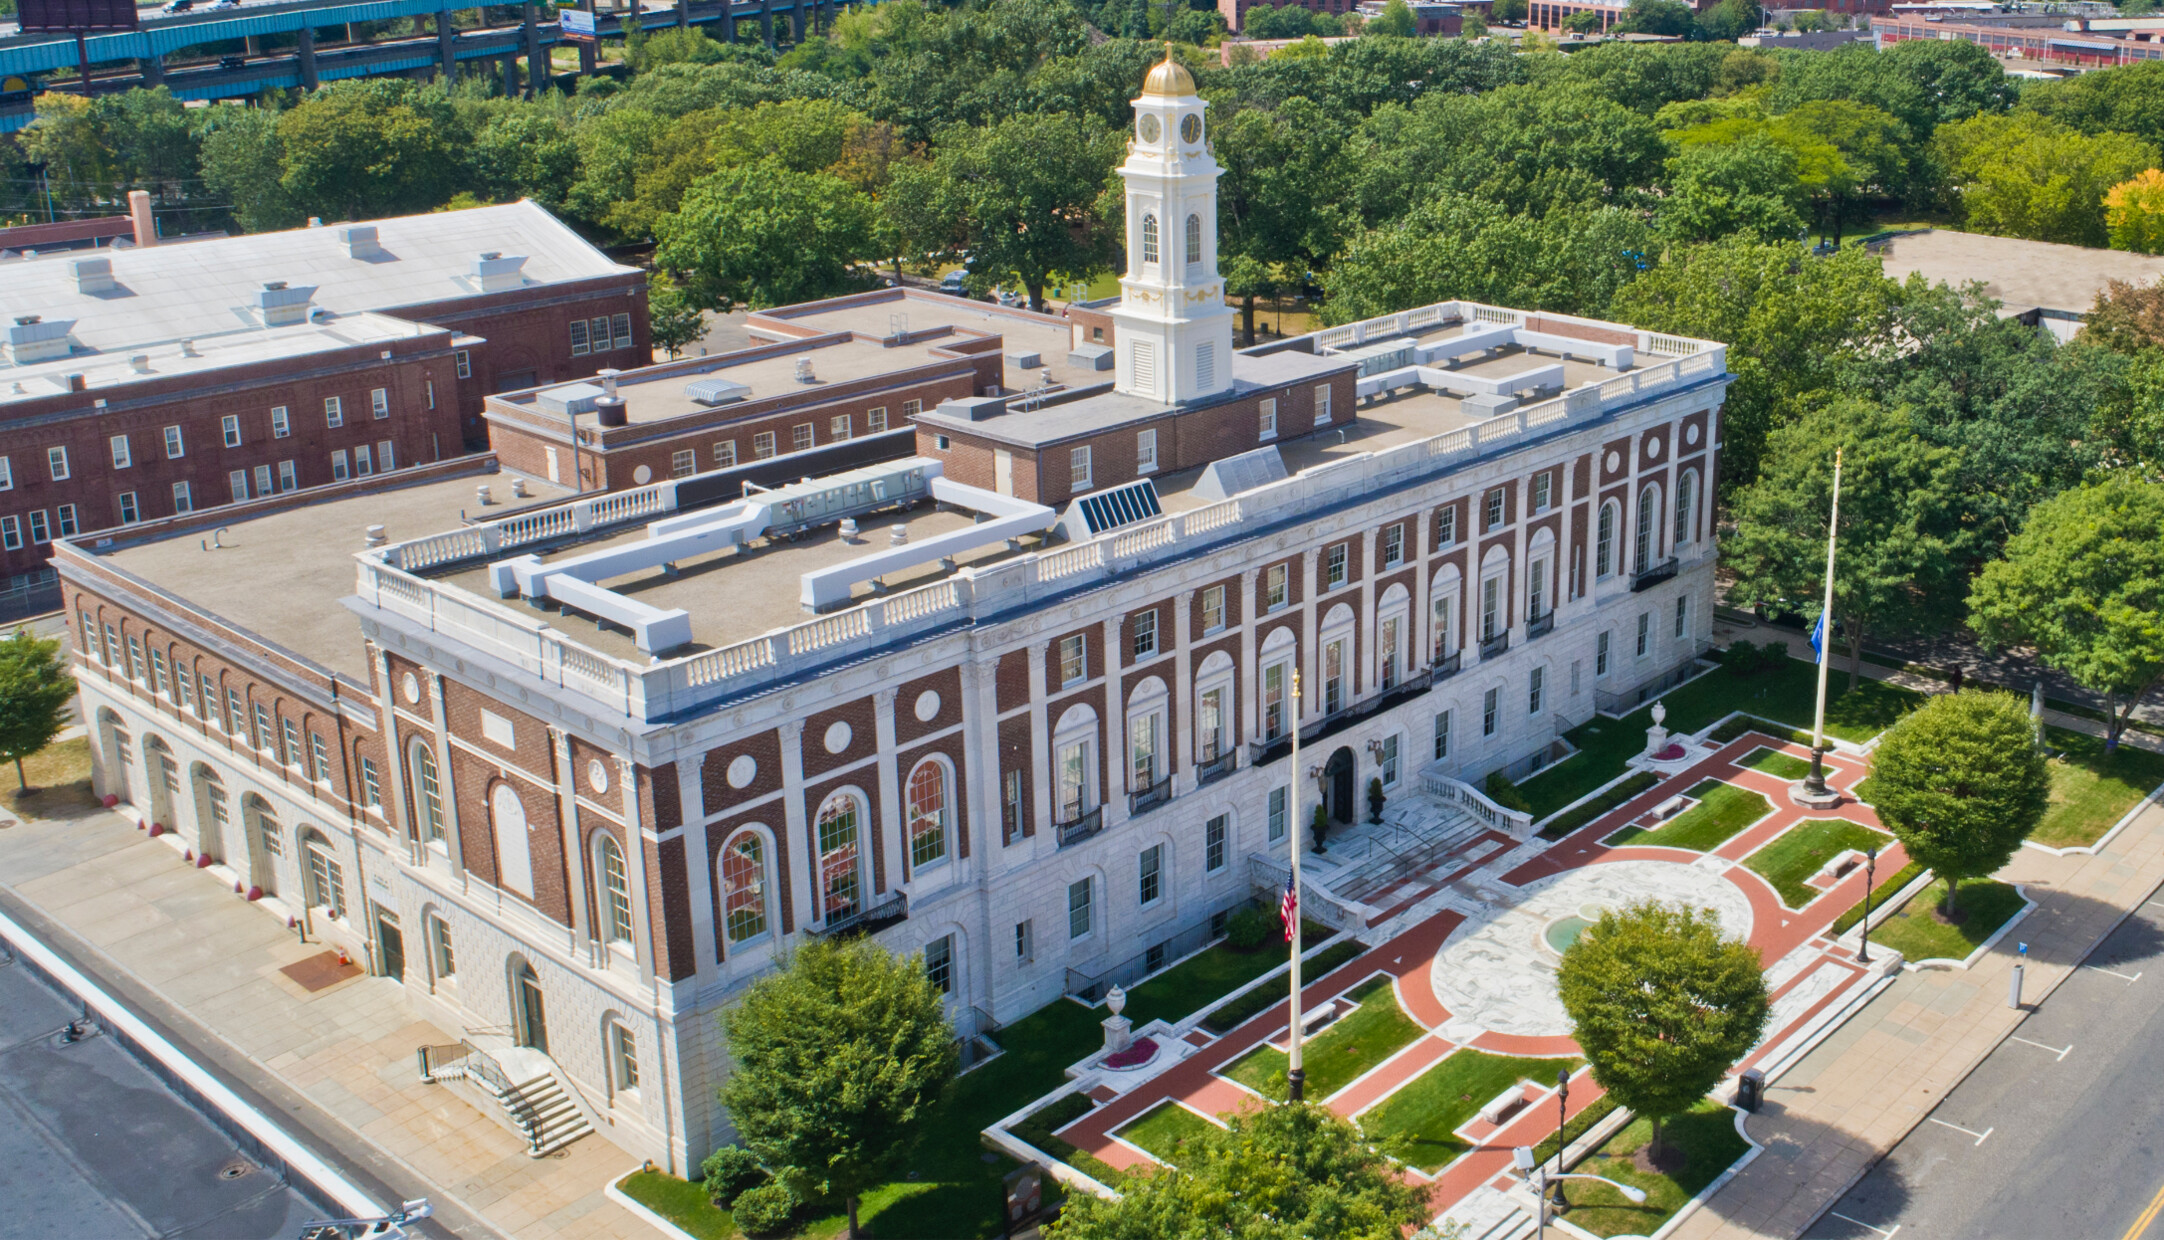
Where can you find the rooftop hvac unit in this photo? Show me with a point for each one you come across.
(570, 400)
(1236, 474)
(712, 392)
(1109, 509)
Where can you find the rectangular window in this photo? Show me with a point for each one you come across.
(1543, 484)
(364, 461)
(379, 403)
(122, 459)
(207, 703)
(1334, 561)
(1274, 587)
(290, 734)
(137, 671)
(175, 444)
(1533, 689)
(265, 739)
(1442, 735)
(338, 466)
(183, 687)
(1210, 744)
(1334, 680)
(1142, 745)
(236, 714)
(1213, 609)
(183, 498)
(1322, 404)
(1389, 762)
(371, 787)
(1206, 367)
(11, 533)
(800, 437)
(1268, 419)
(289, 478)
(939, 963)
(67, 514)
(7, 474)
(158, 681)
(56, 463)
(1490, 712)
(112, 648)
(839, 427)
(131, 511)
(762, 445)
(1145, 452)
(875, 420)
(1145, 633)
(1078, 469)
(1600, 656)
(326, 882)
(1387, 657)
(1683, 611)
(1273, 701)
(725, 455)
(1073, 774)
(1280, 811)
(1446, 526)
(1645, 634)
(1491, 608)
(683, 463)
(601, 333)
(262, 480)
(439, 948)
(1011, 805)
(1024, 936)
(230, 425)
(1536, 590)
(334, 412)
(1078, 909)
(385, 460)
(1150, 886)
(237, 482)
(1492, 511)
(911, 408)
(1213, 844)
(622, 324)
(464, 362)
(579, 346)
(319, 758)
(1073, 660)
(1394, 546)
(38, 531)
(281, 422)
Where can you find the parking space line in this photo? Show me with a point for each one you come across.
(1968, 1131)
(2058, 1051)
(1866, 1226)
(2097, 968)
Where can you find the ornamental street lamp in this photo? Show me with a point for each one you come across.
(1870, 871)
(1562, 1120)
(1523, 1157)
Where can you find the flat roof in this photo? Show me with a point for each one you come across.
(917, 310)
(2020, 274)
(652, 397)
(280, 574)
(175, 292)
(103, 371)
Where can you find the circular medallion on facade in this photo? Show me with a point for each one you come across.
(927, 706)
(411, 687)
(837, 738)
(742, 770)
(597, 775)
(1653, 449)
(1150, 128)
(1191, 128)
(1614, 462)
(1690, 434)
(643, 474)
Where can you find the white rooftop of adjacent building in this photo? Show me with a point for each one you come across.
(197, 288)
(2023, 275)
(201, 355)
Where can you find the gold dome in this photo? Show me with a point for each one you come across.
(1169, 80)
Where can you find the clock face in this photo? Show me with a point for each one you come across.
(1191, 128)
(1151, 129)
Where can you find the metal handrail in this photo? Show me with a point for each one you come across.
(1080, 829)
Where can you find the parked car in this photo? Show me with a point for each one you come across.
(232, 62)
(177, 6)
(956, 282)
(219, 6)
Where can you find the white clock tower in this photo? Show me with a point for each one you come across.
(1174, 328)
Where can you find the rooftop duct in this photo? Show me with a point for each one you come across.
(712, 392)
(495, 271)
(570, 400)
(92, 275)
(33, 339)
(360, 241)
(280, 304)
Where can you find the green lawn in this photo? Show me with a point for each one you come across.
(1164, 1129)
(1337, 1056)
(1722, 810)
(1919, 935)
(1415, 1124)
(1803, 849)
(1565, 823)
(1205, 977)
(2091, 790)
(1776, 763)
(1707, 1134)
(1785, 694)
(1238, 1012)
(1039, 1127)
(682, 1202)
(1885, 891)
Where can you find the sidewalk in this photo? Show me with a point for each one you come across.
(135, 914)
(1835, 1114)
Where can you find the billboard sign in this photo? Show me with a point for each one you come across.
(73, 15)
(577, 24)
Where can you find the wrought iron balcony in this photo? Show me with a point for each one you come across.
(1653, 574)
(1490, 647)
(1080, 829)
(1210, 770)
(870, 919)
(1446, 666)
(1541, 625)
(1151, 797)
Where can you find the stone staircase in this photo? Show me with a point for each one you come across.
(518, 1085)
(1428, 837)
(1490, 1215)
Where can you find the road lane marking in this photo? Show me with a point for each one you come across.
(2148, 1216)
(1970, 1131)
(2097, 968)
(2060, 1051)
(1868, 1227)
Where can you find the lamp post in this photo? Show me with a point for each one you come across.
(1523, 1157)
(1295, 1074)
(1870, 876)
(1562, 1120)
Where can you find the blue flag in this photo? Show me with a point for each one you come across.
(1818, 637)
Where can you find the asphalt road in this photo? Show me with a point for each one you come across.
(2057, 1135)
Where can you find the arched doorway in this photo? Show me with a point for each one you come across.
(161, 772)
(1337, 787)
(259, 826)
(529, 1012)
(211, 811)
(114, 744)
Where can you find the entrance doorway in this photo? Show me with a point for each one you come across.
(390, 946)
(1337, 782)
(528, 1012)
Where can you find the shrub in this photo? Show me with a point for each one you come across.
(764, 1210)
(1744, 659)
(1500, 790)
(1248, 929)
(729, 1171)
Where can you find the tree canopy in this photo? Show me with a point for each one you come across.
(1961, 782)
(35, 689)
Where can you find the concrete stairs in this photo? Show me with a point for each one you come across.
(1487, 1214)
(1432, 835)
(518, 1086)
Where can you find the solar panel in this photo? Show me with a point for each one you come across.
(1117, 506)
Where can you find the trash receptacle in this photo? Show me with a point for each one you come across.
(1751, 1089)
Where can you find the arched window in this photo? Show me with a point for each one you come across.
(743, 887)
(1686, 499)
(839, 833)
(514, 852)
(1604, 542)
(427, 792)
(1648, 537)
(1149, 238)
(927, 814)
(615, 890)
(1194, 238)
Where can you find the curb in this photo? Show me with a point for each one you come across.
(613, 1190)
(2155, 796)
(1940, 962)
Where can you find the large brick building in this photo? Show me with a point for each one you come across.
(159, 379)
(593, 763)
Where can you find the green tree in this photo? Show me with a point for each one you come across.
(676, 322)
(838, 1057)
(1282, 201)
(2126, 317)
(2134, 213)
(1508, 11)
(1472, 26)
(1395, 21)
(1961, 782)
(1459, 246)
(35, 689)
(1746, 189)
(763, 235)
(1897, 569)
(243, 159)
(2082, 584)
(1584, 21)
(370, 147)
(1664, 17)
(1289, 1172)
(2129, 99)
(1662, 1004)
(2024, 175)
(1729, 20)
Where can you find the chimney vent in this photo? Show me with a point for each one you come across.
(32, 338)
(77, 383)
(480, 494)
(804, 370)
(608, 379)
(361, 241)
(281, 304)
(518, 487)
(374, 537)
(92, 275)
(496, 271)
(140, 362)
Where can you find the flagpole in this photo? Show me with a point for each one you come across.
(1295, 1075)
(1815, 784)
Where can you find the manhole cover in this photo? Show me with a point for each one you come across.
(234, 1170)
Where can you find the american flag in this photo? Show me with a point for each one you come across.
(1289, 909)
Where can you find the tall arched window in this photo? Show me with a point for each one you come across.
(927, 814)
(839, 884)
(1686, 499)
(615, 890)
(1648, 537)
(427, 792)
(1194, 238)
(1149, 238)
(1604, 542)
(743, 887)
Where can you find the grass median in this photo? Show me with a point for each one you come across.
(1803, 850)
(1340, 1054)
(1418, 1124)
(1721, 812)
(1918, 933)
(1706, 1139)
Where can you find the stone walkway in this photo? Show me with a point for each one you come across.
(128, 907)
